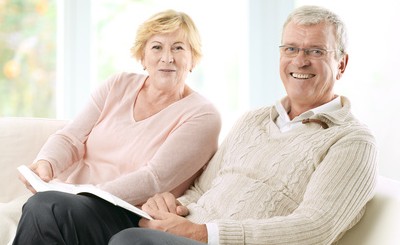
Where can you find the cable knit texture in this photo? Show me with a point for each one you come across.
(305, 186)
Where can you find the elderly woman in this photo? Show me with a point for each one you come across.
(138, 136)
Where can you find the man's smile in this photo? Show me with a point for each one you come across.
(301, 76)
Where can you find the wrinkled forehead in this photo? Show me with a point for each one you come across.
(314, 35)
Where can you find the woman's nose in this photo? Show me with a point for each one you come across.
(167, 57)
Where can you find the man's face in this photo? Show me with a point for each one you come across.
(309, 80)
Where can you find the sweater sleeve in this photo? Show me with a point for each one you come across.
(67, 145)
(176, 163)
(336, 194)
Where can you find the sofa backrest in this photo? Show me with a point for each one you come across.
(20, 141)
(381, 221)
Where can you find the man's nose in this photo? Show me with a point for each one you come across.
(301, 59)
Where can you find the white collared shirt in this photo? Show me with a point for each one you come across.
(284, 124)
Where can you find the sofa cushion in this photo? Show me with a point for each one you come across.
(381, 221)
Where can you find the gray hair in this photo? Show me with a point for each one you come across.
(312, 15)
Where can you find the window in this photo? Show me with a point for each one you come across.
(53, 56)
(27, 57)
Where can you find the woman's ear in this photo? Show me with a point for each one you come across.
(193, 65)
(194, 62)
(143, 64)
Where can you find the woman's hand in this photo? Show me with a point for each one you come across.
(165, 202)
(43, 169)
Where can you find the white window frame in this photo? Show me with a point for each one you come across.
(266, 20)
(73, 56)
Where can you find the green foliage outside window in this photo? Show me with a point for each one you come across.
(27, 57)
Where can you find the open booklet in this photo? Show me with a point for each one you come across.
(39, 185)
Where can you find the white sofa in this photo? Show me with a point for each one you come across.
(21, 139)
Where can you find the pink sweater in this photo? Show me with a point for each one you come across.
(105, 146)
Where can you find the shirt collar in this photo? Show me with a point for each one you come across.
(282, 107)
(332, 105)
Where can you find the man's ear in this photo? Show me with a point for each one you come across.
(342, 66)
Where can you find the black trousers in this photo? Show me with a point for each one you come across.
(60, 218)
(140, 236)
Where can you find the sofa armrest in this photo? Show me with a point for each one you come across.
(20, 141)
(381, 221)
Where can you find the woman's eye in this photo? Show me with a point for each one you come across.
(177, 48)
(156, 47)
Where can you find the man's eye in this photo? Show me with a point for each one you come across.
(316, 52)
(290, 50)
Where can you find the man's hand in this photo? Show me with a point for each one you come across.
(175, 224)
(43, 169)
(165, 202)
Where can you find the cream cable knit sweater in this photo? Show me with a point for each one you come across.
(305, 186)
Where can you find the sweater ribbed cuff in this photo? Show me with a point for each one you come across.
(230, 233)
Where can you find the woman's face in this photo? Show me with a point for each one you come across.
(168, 59)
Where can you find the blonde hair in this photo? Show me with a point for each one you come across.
(166, 22)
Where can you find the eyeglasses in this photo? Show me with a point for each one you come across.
(292, 52)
